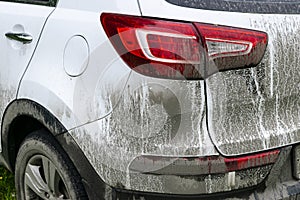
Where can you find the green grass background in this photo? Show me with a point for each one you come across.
(7, 187)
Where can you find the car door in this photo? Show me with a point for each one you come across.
(21, 24)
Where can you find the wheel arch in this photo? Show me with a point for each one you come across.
(20, 118)
(24, 116)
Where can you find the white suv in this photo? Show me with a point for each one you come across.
(160, 99)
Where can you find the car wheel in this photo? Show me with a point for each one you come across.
(44, 171)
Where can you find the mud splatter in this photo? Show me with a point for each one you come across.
(258, 108)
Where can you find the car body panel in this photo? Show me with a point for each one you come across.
(79, 101)
(252, 109)
(144, 123)
(14, 55)
(125, 7)
(258, 108)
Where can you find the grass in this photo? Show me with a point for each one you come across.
(7, 187)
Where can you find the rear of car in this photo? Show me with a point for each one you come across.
(166, 99)
(237, 114)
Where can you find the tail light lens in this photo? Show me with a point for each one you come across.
(230, 48)
(155, 48)
(179, 50)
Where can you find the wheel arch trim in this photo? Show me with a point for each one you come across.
(31, 109)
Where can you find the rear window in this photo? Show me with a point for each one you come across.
(245, 6)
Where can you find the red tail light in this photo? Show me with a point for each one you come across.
(155, 48)
(178, 50)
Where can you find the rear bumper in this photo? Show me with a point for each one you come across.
(129, 182)
(278, 185)
(130, 195)
(255, 194)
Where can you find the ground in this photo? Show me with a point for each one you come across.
(7, 188)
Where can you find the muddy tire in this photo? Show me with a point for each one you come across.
(44, 171)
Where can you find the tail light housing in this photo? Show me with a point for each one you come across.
(156, 48)
(181, 50)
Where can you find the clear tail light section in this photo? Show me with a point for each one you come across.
(231, 48)
(181, 50)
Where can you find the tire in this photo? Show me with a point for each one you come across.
(44, 171)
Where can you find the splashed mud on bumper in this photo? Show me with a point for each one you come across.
(278, 185)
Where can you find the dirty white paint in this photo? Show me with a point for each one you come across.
(160, 118)
(257, 109)
(14, 55)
